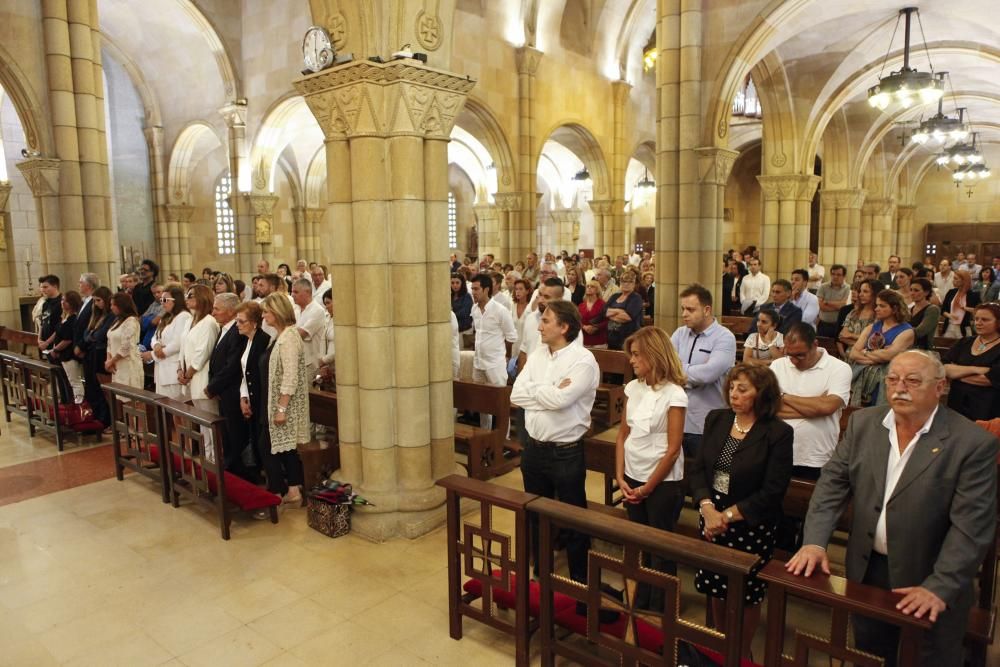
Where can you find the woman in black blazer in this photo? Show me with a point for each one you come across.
(739, 477)
(252, 400)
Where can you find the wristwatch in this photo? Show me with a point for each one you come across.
(729, 515)
(282, 410)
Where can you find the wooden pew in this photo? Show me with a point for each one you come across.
(610, 396)
(738, 324)
(196, 475)
(317, 460)
(24, 342)
(942, 344)
(486, 451)
(15, 385)
(136, 430)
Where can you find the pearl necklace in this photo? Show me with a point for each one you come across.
(984, 344)
(740, 429)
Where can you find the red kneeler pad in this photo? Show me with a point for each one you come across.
(247, 496)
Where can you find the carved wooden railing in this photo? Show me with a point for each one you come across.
(136, 427)
(15, 385)
(843, 598)
(475, 552)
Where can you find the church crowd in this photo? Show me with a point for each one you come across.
(730, 432)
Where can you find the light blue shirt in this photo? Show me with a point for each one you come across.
(706, 358)
(809, 304)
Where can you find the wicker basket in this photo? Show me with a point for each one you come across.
(331, 520)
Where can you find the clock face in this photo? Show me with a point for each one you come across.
(317, 51)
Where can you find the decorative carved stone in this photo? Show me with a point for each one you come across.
(42, 175)
(5, 189)
(234, 113)
(601, 206)
(794, 186)
(715, 164)
(620, 91)
(882, 206)
(429, 30)
(179, 213)
(838, 199)
(363, 98)
(527, 59)
(337, 29)
(262, 207)
(508, 201)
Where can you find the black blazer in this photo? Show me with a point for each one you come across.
(80, 328)
(886, 279)
(224, 371)
(762, 466)
(971, 301)
(258, 346)
(729, 305)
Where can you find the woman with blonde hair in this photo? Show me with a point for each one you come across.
(649, 462)
(224, 283)
(285, 390)
(959, 304)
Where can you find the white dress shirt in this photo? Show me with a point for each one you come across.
(755, 288)
(816, 274)
(552, 414)
(456, 347)
(318, 292)
(646, 414)
(503, 298)
(531, 338)
(809, 304)
(244, 387)
(893, 471)
(494, 326)
(312, 320)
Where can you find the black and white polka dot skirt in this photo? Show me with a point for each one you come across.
(757, 540)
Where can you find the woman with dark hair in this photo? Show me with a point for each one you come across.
(860, 316)
(738, 478)
(224, 283)
(973, 366)
(623, 311)
(766, 344)
(95, 348)
(877, 345)
(166, 343)
(461, 303)
(958, 305)
(518, 310)
(985, 285)
(123, 360)
(61, 351)
(924, 315)
(253, 403)
(904, 277)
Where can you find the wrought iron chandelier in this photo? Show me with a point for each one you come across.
(961, 154)
(907, 86)
(645, 183)
(939, 128)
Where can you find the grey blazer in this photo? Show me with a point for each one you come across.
(942, 513)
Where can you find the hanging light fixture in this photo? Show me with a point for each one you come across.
(907, 86)
(582, 175)
(939, 128)
(649, 53)
(961, 154)
(645, 183)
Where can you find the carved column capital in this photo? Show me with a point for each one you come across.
(601, 206)
(620, 91)
(314, 215)
(528, 59)
(715, 164)
(880, 206)
(838, 199)
(401, 97)
(508, 201)
(5, 189)
(565, 214)
(179, 212)
(42, 175)
(783, 187)
(486, 211)
(234, 113)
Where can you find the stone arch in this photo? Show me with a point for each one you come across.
(582, 142)
(637, 25)
(645, 152)
(194, 142)
(478, 120)
(781, 148)
(287, 121)
(231, 83)
(37, 131)
(315, 185)
(150, 104)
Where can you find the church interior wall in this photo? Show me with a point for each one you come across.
(204, 237)
(743, 200)
(939, 201)
(285, 247)
(21, 204)
(462, 187)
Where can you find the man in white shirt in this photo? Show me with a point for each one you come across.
(551, 290)
(755, 288)
(815, 387)
(547, 270)
(816, 273)
(310, 321)
(803, 298)
(320, 283)
(556, 388)
(495, 335)
(608, 286)
(971, 266)
(944, 279)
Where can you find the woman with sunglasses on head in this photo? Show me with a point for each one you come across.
(123, 360)
(973, 366)
(165, 354)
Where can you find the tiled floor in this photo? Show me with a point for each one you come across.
(105, 574)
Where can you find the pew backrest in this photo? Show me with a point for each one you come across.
(614, 362)
(485, 399)
(136, 434)
(24, 342)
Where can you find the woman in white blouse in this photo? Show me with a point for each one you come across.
(196, 349)
(326, 359)
(166, 343)
(123, 360)
(766, 344)
(649, 462)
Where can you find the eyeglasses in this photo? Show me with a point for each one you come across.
(910, 382)
(164, 299)
(189, 295)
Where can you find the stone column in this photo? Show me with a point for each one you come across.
(714, 165)
(175, 253)
(840, 227)
(387, 128)
(904, 243)
(604, 229)
(235, 116)
(488, 229)
(43, 176)
(10, 313)
(262, 210)
(75, 84)
(567, 221)
(619, 164)
(508, 206)
(785, 224)
(877, 217)
(314, 220)
(526, 237)
(158, 181)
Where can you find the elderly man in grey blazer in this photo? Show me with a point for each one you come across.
(923, 481)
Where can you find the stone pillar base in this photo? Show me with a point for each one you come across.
(383, 526)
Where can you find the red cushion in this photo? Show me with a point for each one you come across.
(247, 496)
(505, 599)
(89, 426)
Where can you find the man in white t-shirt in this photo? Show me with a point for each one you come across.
(803, 298)
(815, 387)
(755, 288)
(816, 273)
(495, 334)
(310, 320)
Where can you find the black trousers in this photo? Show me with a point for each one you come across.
(657, 510)
(283, 469)
(92, 387)
(941, 646)
(558, 473)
